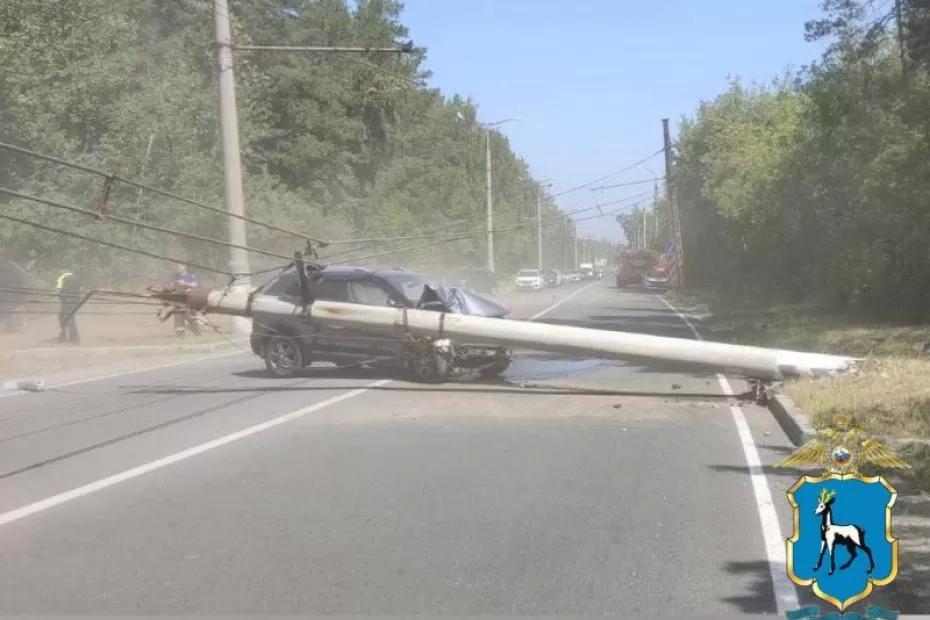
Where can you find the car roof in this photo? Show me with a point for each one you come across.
(351, 272)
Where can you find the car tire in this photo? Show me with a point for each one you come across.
(283, 356)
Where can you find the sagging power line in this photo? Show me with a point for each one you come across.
(68, 233)
(160, 192)
(122, 220)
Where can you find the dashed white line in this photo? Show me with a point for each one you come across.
(786, 597)
(561, 301)
(129, 474)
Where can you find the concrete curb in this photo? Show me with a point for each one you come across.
(46, 353)
(795, 423)
(59, 352)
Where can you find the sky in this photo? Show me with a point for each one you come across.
(592, 79)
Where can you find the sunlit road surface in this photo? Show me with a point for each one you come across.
(211, 488)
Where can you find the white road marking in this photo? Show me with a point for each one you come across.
(123, 373)
(786, 597)
(99, 485)
(561, 301)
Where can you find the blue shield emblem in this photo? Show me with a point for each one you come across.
(842, 543)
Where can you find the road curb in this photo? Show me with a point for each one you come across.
(48, 353)
(59, 352)
(795, 423)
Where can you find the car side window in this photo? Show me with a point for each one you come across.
(288, 285)
(330, 290)
(368, 293)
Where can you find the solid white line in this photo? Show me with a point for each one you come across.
(93, 487)
(561, 301)
(124, 373)
(786, 597)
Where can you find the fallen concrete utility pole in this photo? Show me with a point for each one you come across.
(739, 360)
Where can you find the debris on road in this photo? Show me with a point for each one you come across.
(31, 385)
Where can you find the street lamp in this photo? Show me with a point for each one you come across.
(490, 203)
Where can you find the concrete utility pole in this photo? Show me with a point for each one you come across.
(441, 329)
(539, 256)
(490, 199)
(232, 165)
(672, 203)
(490, 203)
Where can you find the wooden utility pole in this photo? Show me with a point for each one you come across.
(673, 203)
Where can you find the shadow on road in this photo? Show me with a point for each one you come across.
(759, 595)
(445, 388)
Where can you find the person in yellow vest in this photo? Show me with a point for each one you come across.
(69, 296)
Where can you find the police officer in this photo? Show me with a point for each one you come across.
(184, 281)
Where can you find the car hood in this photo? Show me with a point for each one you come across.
(459, 301)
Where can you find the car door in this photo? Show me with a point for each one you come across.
(329, 338)
(373, 341)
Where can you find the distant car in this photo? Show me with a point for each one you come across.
(656, 278)
(289, 343)
(529, 278)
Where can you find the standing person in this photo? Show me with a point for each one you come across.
(13, 281)
(69, 296)
(183, 281)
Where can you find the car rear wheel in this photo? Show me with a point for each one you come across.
(283, 356)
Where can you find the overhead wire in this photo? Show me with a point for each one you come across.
(608, 176)
(117, 246)
(122, 220)
(161, 192)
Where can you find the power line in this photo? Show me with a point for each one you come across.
(607, 176)
(122, 220)
(594, 189)
(161, 192)
(470, 235)
(117, 246)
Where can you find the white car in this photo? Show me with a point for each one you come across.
(529, 278)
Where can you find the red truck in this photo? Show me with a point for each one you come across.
(643, 268)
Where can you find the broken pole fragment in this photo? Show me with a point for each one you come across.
(733, 359)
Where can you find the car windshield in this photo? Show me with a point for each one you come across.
(411, 285)
(528, 273)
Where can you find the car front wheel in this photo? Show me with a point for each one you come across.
(283, 356)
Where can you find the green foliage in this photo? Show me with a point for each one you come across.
(337, 146)
(815, 188)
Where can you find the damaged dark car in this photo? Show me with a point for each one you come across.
(291, 343)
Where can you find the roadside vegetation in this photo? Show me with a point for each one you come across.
(335, 145)
(805, 213)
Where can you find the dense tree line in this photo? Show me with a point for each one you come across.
(338, 146)
(816, 188)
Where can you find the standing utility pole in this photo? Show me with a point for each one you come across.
(672, 203)
(232, 166)
(539, 256)
(490, 214)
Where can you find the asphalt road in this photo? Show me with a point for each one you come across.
(210, 488)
